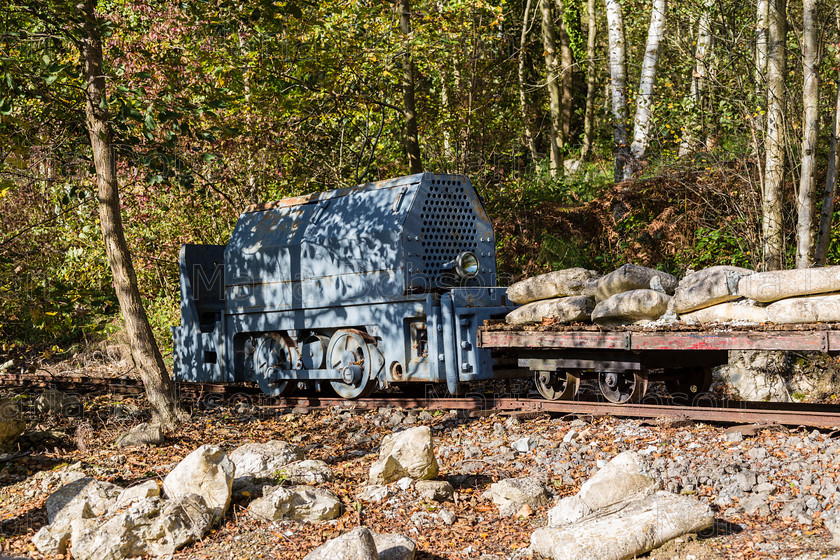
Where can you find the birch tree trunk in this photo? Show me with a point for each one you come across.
(523, 95)
(641, 125)
(827, 212)
(810, 135)
(160, 391)
(618, 91)
(589, 110)
(761, 16)
(553, 85)
(567, 61)
(412, 141)
(774, 167)
(699, 79)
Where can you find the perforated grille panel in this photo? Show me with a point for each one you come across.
(448, 224)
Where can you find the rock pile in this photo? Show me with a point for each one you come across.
(717, 294)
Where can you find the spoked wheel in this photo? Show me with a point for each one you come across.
(689, 381)
(350, 352)
(557, 385)
(622, 387)
(273, 352)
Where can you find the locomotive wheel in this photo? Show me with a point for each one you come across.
(689, 381)
(622, 387)
(557, 385)
(349, 352)
(273, 352)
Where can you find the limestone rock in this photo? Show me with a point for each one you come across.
(97, 494)
(133, 494)
(141, 434)
(755, 375)
(563, 310)
(150, 527)
(813, 309)
(707, 287)
(782, 284)
(629, 307)
(510, 494)
(301, 503)
(207, 472)
(12, 423)
(557, 284)
(55, 537)
(358, 544)
(373, 493)
(832, 523)
(642, 525)
(434, 490)
(264, 460)
(53, 401)
(393, 546)
(630, 277)
(745, 311)
(408, 453)
(306, 472)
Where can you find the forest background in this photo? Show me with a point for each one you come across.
(598, 132)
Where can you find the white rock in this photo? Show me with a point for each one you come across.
(707, 287)
(434, 490)
(407, 453)
(560, 283)
(358, 544)
(136, 493)
(97, 494)
(306, 472)
(781, 284)
(207, 472)
(393, 546)
(630, 277)
(510, 494)
(524, 445)
(301, 503)
(563, 310)
(631, 306)
(264, 460)
(373, 493)
(145, 433)
(405, 483)
(447, 516)
(741, 312)
(813, 309)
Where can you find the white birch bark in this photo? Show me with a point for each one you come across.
(827, 212)
(618, 73)
(641, 124)
(761, 15)
(589, 110)
(699, 77)
(774, 166)
(553, 86)
(810, 133)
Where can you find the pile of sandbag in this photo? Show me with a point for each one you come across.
(627, 295)
(719, 294)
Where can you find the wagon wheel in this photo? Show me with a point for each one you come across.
(689, 381)
(350, 352)
(273, 351)
(557, 385)
(622, 387)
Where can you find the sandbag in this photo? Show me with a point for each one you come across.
(560, 283)
(708, 287)
(630, 277)
(813, 309)
(629, 307)
(739, 311)
(781, 284)
(562, 310)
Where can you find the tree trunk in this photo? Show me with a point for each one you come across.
(615, 26)
(553, 85)
(774, 167)
(810, 134)
(567, 61)
(641, 126)
(523, 96)
(827, 212)
(699, 80)
(761, 16)
(412, 141)
(589, 111)
(159, 387)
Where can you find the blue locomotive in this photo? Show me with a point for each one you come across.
(360, 287)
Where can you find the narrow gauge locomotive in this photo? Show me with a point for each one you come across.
(377, 284)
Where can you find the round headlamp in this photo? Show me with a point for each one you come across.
(467, 265)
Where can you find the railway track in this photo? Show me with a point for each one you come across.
(708, 409)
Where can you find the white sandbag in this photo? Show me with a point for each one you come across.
(562, 310)
(560, 283)
(708, 287)
(782, 284)
(731, 311)
(641, 526)
(630, 277)
(813, 309)
(629, 307)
